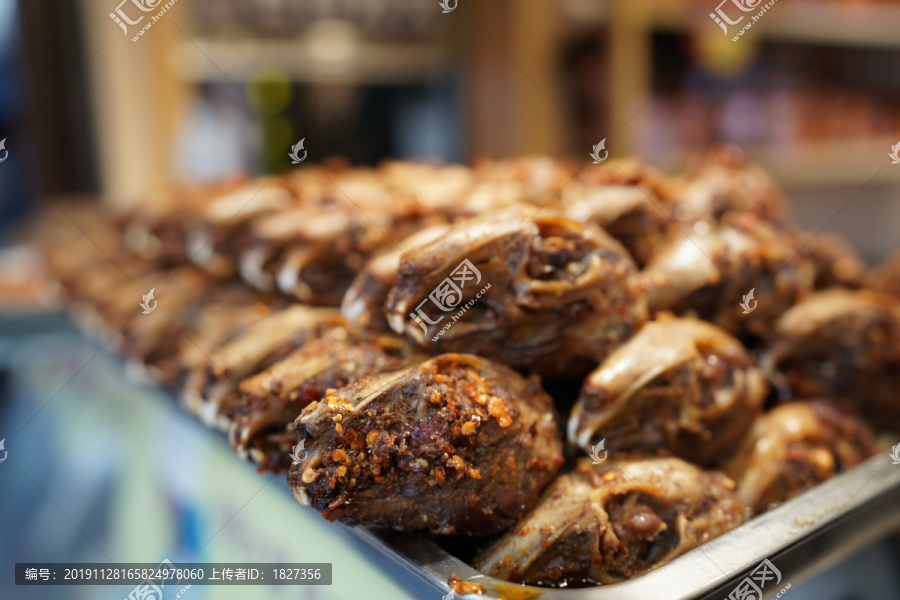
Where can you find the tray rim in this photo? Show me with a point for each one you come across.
(836, 513)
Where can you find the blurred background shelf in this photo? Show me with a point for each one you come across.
(217, 87)
(830, 163)
(333, 55)
(827, 23)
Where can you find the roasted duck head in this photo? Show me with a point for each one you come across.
(263, 414)
(455, 445)
(836, 262)
(545, 294)
(680, 384)
(627, 198)
(885, 278)
(535, 180)
(795, 447)
(844, 345)
(740, 278)
(363, 303)
(608, 523)
(213, 384)
(725, 184)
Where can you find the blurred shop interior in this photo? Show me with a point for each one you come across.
(224, 86)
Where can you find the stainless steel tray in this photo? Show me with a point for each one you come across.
(800, 538)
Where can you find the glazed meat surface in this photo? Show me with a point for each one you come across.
(627, 198)
(725, 185)
(707, 271)
(213, 240)
(795, 447)
(455, 445)
(363, 303)
(214, 384)
(607, 523)
(885, 278)
(679, 384)
(217, 324)
(836, 262)
(263, 414)
(555, 296)
(842, 345)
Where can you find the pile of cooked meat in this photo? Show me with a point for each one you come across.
(389, 339)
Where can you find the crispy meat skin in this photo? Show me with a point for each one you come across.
(795, 447)
(607, 523)
(706, 272)
(213, 384)
(842, 345)
(679, 384)
(269, 401)
(561, 294)
(455, 445)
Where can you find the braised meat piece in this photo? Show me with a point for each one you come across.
(363, 303)
(724, 185)
(213, 241)
(157, 228)
(545, 294)
(885, 278)
(739, 278)
(627, 198)
(679, 384)
(535, 180)
(434, 189)
(215, 325)
(455, 445)
(179, 303)
(608, 523)
(795, 447)
(214, 384)
(844, 345)
(836, 262)
(110, 309)
(269, 402)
